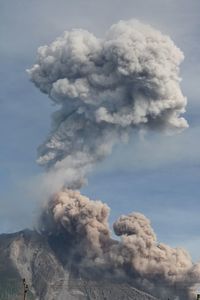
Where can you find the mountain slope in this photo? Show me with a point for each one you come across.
(28, 254)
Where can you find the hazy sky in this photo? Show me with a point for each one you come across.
(156, 175)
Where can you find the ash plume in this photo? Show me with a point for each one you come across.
(137, 258)
(106, 89)
(82, 219)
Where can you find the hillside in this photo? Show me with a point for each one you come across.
(28, 254)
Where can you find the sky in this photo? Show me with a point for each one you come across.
(156, 175)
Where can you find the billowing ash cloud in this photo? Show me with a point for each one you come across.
(105, 88)
(137, 257)
(82, 219)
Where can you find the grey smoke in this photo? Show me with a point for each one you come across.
(105, 88)
(81, 218)
(137, 257)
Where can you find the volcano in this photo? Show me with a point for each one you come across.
(43, 263)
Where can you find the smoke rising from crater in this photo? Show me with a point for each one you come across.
(82, 219)
(137, 258)
(105, 88)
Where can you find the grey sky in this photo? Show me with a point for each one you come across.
(156, 175)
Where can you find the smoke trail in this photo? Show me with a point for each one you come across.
(105, 88)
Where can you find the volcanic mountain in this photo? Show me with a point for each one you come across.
(43, 263)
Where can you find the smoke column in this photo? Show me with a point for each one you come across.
(106, 89)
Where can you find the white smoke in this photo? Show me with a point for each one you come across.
(105, 88)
